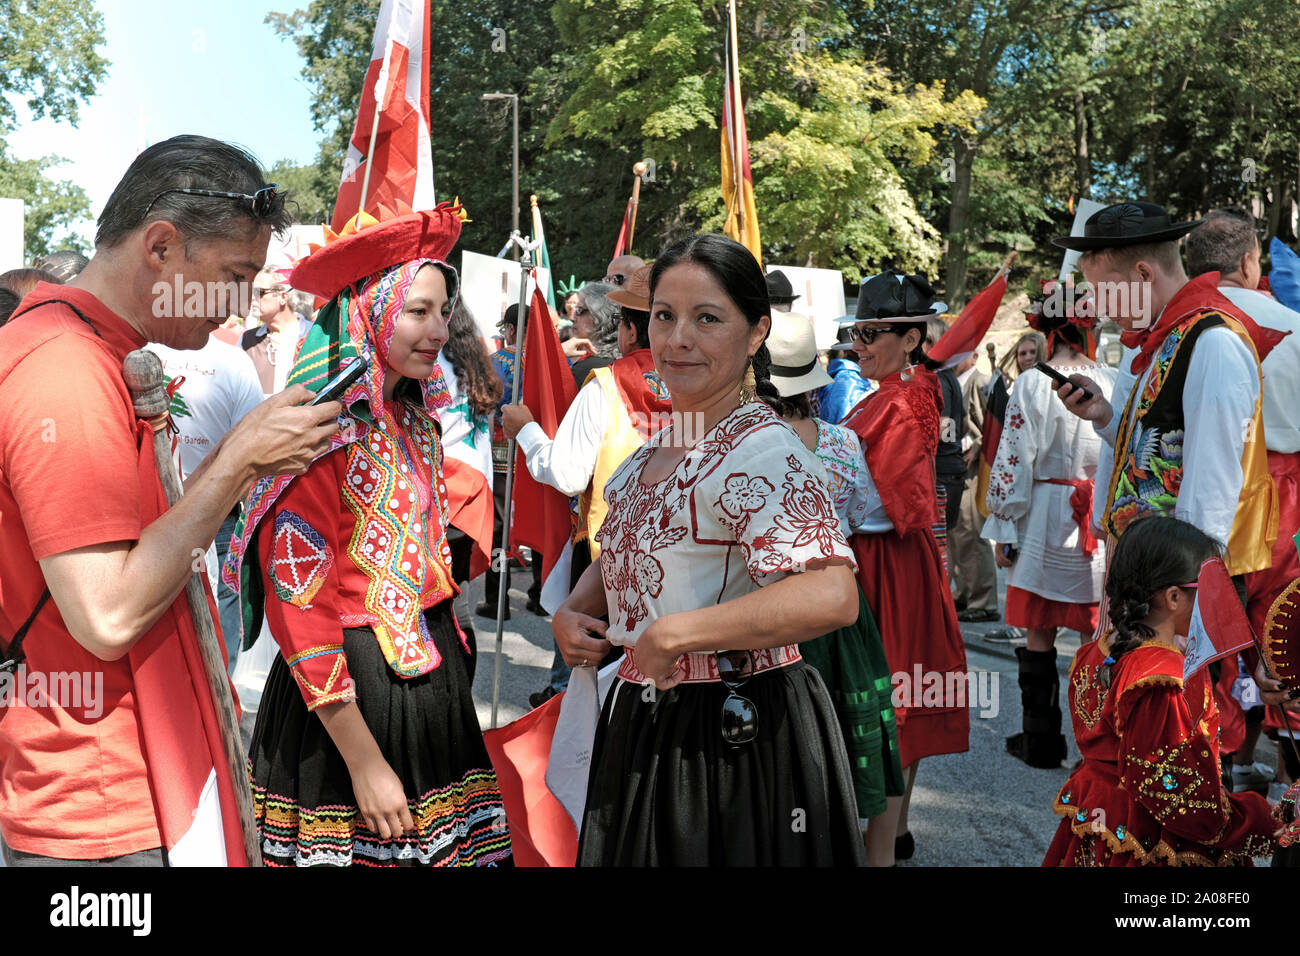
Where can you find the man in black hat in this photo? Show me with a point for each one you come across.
(779, 291)
(1185, 435)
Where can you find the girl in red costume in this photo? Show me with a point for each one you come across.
(1148, 791)
(891, 515)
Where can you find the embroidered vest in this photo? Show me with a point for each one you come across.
(1148, 466)
(638, 407)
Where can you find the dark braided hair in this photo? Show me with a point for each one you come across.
(469, 359)
(1154, 553)
(741, 277)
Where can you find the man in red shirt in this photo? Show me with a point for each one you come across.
(109, 749)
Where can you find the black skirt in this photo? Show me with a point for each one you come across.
(427, 730)
(666, 790)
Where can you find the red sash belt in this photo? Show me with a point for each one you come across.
(1081, 508)
(701, 666)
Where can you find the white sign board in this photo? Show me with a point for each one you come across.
(488, 286)
(1082, 213)
(293, 245)
(821, 298)
(11, 234)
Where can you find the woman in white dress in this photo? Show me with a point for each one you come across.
(720, 553)
(1040, 503)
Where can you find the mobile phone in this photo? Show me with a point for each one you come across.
(334, 389)
(1060, 379)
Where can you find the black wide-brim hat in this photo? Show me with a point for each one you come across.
(779, 289)
(1126, 224)
(894, 298)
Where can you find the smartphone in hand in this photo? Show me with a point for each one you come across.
(334, 389)
(1060, 379)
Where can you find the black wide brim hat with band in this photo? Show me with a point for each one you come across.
(891, 298)
(1127, 224)
(779, 289)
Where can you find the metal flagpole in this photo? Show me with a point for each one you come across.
(501, 558)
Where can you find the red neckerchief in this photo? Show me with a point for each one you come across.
(1199, 294)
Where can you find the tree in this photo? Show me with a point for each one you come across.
(826, 128)
(48, 58)
(51, 204)
(47, 54)
(307, 202)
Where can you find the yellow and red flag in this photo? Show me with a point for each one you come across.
(737, 179)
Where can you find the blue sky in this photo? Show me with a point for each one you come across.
(181, 67)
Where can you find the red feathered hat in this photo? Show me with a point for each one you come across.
(367, 245)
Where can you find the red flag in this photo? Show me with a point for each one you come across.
(541, 831)
(964, 336)
(620, 247)
(540, 515)
(469, 496)
(1219, 624)
(401, 169)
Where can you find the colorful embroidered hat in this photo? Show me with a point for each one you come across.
(366, 245)
(1280, 642)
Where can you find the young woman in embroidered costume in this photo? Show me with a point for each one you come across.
(367, 749)
(1149, 791)
(851, 660)
(1040, 502)
(721, 551)
(891, 515)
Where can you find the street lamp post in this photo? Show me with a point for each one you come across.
(514, 208)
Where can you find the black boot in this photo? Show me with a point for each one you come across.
(1041, 744)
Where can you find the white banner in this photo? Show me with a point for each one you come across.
(11, 234)
(821, 298)
(488, 286)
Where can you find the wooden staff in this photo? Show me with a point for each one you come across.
(637, 172)
(143, 373)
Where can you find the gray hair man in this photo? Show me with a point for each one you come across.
(93, 561)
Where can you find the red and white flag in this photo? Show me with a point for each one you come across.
(965, 334)
(540, 518)
(397, 84)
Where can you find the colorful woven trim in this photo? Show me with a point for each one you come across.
(462, 824)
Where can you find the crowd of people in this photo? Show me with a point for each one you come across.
(761, 711)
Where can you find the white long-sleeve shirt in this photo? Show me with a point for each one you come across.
(1281, 405)
(568, 461)
(1219, 398)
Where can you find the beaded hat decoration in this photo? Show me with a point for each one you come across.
(1280, 642)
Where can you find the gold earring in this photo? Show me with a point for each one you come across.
(748, 387)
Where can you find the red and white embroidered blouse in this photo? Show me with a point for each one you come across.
(748, 505)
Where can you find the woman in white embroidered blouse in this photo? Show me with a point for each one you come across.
(1040, 503)
(721, 552)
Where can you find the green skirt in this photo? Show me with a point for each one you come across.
(851, 662)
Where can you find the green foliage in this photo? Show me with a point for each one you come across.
(47, 56)
(308, 202)
(52, 206)
(47, 59)
(924, 134)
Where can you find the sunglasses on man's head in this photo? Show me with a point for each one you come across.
(263, 203)
(868, 335)
(616, 279)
